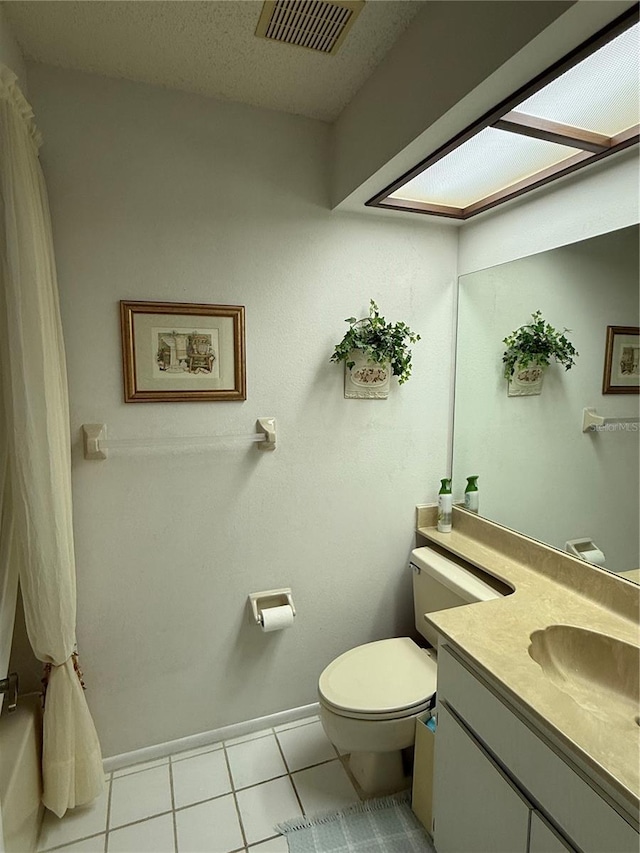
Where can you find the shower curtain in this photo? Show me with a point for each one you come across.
(35, 460)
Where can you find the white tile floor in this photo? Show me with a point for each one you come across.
(222, 798)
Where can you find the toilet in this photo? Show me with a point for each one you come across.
(371, 695)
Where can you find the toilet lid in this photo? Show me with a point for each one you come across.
(390, 677)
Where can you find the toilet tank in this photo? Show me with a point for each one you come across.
(440, 583)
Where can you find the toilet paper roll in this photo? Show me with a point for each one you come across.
(276, 618)
(594, 556)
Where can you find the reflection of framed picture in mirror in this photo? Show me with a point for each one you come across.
(622, 360)
(179, 351)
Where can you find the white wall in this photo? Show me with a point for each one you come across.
(160, 195)
(10, 53)
(599, 199)
(538, 472)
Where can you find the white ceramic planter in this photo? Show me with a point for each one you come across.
(367, 379)
(526, 381)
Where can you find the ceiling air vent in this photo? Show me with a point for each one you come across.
(315, 24)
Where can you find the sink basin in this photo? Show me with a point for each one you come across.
(598, 672)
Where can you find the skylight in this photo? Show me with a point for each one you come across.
(489, 161)
(599, 94)
(586, 109)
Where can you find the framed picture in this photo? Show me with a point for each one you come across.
(621, 361)
(174, 352)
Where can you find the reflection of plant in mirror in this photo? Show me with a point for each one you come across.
(536, 343)
(380, 341)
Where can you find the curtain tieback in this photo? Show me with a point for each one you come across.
(47, 673)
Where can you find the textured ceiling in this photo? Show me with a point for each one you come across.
(208, 47)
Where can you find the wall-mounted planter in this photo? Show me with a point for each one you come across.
(535, 343)
(526, 381)
(367, 379)
(369, 339)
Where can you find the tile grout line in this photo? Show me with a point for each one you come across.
(91, 835)
(159, 762)
(299, 725)
(313, 766)
(343, 759)
(287, 774)
(242, 739)
(226, 793)
(106, 829)
(238, 790)
(127, 825)
(69, 843)
(291, 782)
(170, 760)
(234, 795)
(270, 838)
(212, 747)
(257, 736)
(173, 807)
(178, 757)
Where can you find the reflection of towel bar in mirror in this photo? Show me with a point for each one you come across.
(96, 442)
(591, 420)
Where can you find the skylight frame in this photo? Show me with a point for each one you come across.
(506, 117)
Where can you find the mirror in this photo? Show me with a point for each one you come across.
(538, 472)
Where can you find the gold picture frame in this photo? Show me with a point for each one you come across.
(178, 352)
(621, 360)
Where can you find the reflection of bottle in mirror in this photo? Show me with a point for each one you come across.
(445, 502)
(471, 494)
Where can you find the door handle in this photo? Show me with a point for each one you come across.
(9, 685)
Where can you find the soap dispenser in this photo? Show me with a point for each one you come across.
(472, 494)
(445, 504)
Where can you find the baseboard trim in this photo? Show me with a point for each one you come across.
(161, 750)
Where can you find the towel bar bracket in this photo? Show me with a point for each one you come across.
(268, 427)
(592, 421)
(92, 435)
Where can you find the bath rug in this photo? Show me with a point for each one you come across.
(386, 825)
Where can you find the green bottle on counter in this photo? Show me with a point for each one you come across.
(472, 494)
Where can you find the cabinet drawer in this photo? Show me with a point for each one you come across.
(547, 780)
(544, 839)
(477, 808)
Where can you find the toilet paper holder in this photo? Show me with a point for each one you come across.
(587, 550)
(270, 598)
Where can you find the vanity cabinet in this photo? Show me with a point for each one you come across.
(499, 785)
(478, 809)
(543, 838)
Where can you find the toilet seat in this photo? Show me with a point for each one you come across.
(384, 680)
(354, 714)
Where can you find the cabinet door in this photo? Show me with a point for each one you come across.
(544, 839)
(575, 805)
(476, 809)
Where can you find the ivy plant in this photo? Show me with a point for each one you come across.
(381, 341)
(537, 343)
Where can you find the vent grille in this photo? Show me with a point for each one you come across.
(320, 25)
